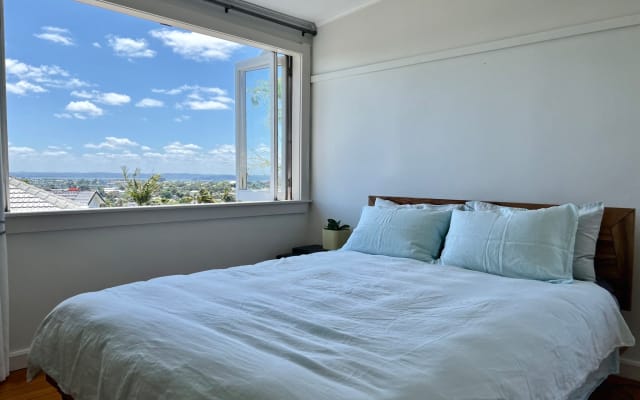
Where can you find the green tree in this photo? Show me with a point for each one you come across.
(141, 192)
(227, 196)
(204, 196)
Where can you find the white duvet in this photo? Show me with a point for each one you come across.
(336, 325)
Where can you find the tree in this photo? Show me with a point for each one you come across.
(204, 196)
(227, 196)
(140, 192)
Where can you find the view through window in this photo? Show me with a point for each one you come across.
(109, 110)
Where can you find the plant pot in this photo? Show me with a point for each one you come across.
(333, 240)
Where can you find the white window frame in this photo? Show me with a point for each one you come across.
(202, 17)
(278, 148)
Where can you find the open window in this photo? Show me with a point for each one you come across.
(263, 128)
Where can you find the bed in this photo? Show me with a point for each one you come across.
(343, 325)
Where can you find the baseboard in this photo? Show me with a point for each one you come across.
(18, 359)
(630, 369)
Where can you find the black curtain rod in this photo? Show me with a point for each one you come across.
(267, 15)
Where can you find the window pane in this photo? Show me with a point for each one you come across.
(91, 91)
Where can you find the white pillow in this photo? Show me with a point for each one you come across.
(589, 220)
(423, 206)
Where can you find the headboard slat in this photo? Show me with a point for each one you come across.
(614, 257)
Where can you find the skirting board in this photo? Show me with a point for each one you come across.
(18, 359)
(628, 368)
(555, 34)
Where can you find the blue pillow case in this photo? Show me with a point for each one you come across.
(535, 244)
(400, 232)
(589, 220)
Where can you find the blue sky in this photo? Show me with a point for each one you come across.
(90, 89)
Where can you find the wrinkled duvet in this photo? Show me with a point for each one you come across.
(335, 325)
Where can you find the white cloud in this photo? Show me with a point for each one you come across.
(44, 76)
(108, 98)
(195, 46)
(182, 118)
(111, 142)
(145, 148)
(224, 149)
(177, 148)
(56, 35)
(63, 115)
(84, 109)
(130, 48)
(96, 45)
(149, 103)
(54, 153)
(21, 150)
(199, 98)
(205, 105)
(24, 87)
(153, 155)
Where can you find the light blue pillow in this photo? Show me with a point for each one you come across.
(584, 252)
(535, 244)
(400, 232)
(424, 206)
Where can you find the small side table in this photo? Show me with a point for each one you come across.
(301, 250)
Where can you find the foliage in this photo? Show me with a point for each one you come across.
(204, 196)
(227, 196)
(334, 225)
(140, 192)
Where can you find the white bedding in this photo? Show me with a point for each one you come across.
(336, 325)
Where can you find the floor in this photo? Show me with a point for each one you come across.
(16, 388)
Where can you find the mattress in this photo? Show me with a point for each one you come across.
(334, 325)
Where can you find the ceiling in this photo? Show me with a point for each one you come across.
(318, 12)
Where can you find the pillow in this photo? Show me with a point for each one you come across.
(425, 206)
(589, 220)
(535, 244)
(400, 232)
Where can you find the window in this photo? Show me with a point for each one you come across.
(107, 109)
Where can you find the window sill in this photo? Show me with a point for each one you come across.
(124, 216)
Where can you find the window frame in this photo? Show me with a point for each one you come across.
(208, 19)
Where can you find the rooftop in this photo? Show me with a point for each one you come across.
(24, 197)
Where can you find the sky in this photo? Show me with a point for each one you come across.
(91, 90)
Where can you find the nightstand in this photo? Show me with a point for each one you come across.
(301, 250)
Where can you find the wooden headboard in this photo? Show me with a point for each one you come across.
(614, 250)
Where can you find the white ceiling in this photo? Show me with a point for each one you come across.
(319, 12)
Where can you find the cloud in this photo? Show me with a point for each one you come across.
(111, 142)
(96, 45)
(56, 35)
(177, 148)
(63, 115)
(44, 76)
(54, 153)
(199, 98)
(206, 105)
(145, 148)
(182, 118)
(195, 46)
(21, 150)
(108, 98)
(149, 103)
(130, 48)
(84, 109)
(24, 87)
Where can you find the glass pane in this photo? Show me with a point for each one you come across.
(258, 128)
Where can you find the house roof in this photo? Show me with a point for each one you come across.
(80, 197)
(24, 197)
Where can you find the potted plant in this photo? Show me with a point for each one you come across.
(334, 235)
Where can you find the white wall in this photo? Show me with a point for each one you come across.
(549, 122)
(48, 267)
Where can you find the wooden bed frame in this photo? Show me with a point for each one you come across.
(614, 251)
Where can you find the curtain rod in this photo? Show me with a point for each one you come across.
(267, 14)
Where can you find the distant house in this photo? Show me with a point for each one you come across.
(24, 197)
(84, 198)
